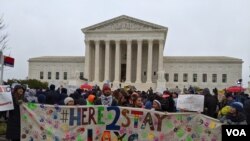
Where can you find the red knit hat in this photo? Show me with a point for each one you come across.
(105, 87)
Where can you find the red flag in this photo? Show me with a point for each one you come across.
(9, 61)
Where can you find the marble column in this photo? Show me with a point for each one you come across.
(160, 63)
(97, 60)
(139, 61)
(129, 59)
(87, 58)
(161, 82)
(149, 67)
(107, 61)
(117, 61)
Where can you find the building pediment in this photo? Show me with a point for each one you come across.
(124, 23)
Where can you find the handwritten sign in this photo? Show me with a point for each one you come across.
(190, 102)
(101, 123)
(71, 88)
(6, 102)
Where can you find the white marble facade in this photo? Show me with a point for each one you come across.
(124, 49)
(72, 65)
(129, 51)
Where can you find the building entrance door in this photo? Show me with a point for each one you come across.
(123, 72)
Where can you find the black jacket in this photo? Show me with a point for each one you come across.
(52, 97)
(14, 124)
(210, 105)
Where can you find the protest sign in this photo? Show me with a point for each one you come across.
(71, 88)
(190, 102)
(102, 123)
(6, 102)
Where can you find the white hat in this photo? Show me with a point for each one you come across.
(67, 99)
(158, 102)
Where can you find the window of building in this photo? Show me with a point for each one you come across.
(57, 75)
(81, 75)
(224, 78)
(204, 77)
(185, 77)
(154, 73)
(41, 75)
(195, 77)
(176, 77)
(166, 77)
(145, 73)
(65, 77)
(214, 78)
(49, 75)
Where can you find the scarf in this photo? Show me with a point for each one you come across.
(106, 100)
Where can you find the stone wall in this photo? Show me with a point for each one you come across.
(233, 71)
(73, 71)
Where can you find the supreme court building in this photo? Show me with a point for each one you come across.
(129, 51)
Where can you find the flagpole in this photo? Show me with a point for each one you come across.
(2, 66)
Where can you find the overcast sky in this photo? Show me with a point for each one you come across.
(196, 27)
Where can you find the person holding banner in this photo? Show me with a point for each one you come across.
(69, 101)
(156, 105)
(14, 124)
(136, 100)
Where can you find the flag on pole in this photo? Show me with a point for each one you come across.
(9, 61)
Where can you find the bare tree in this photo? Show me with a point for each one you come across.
(3, 35)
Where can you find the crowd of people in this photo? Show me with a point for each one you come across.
(233, 108)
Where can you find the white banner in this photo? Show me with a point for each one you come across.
(101, 123)
(191, 102)
(6, 102)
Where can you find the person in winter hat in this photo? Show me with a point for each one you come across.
(237, 106)
(69, 101)
(14, 123)
(224, 111)
(235, 116)
(157, 105)
(106, 97)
